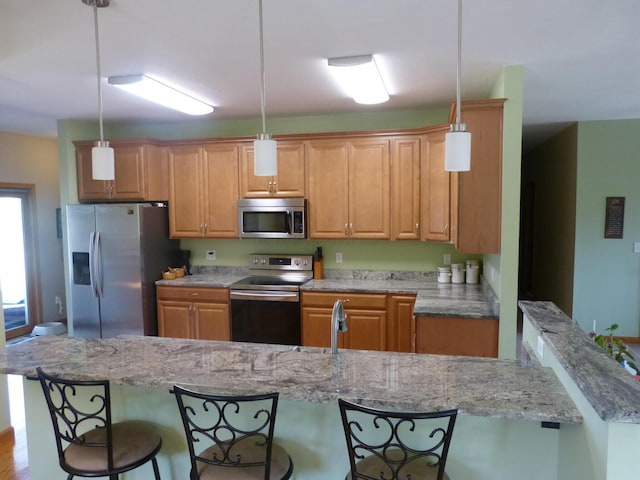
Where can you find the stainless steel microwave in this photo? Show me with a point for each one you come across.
(272, 218)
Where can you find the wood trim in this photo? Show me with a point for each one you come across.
(8, 437)
(472, 104)
(633, 340)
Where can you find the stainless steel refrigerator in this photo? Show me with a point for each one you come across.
(116, 253)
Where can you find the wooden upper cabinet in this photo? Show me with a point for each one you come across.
(203, 193)
(435, 188)
(478, 193)
(328, 188)
(405, 188)
(348, 188)
(141, 173)
(290, 180)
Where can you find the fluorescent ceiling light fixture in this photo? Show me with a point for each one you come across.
(360, 78)
(158, 92)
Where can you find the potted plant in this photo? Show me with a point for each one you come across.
(616, 348)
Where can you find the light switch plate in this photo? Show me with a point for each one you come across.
(211, 254)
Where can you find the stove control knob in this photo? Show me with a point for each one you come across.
(263, 261)
(296, 261)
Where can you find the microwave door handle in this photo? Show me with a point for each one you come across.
(289, 221)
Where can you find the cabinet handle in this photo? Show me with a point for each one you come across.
(274, 188)
(205, 227)
(194, 294)
(346, 229)
(417, 227)
(446, 228)
(350, 229)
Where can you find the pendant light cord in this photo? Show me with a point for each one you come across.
(459, 66)
(95, 21)
(262, 75)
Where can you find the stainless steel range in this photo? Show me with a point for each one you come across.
(265, 306)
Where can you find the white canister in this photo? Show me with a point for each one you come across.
(457, 273)
(444, 275)
(473, 271)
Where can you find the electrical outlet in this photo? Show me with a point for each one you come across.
(58, 301)
(446, 259)
(211, 254)
(338, 257)
(636, 247)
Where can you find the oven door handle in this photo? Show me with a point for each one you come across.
(264, 296)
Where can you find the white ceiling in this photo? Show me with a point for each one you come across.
(581, 58)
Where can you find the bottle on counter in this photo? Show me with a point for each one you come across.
(457, 273)
(318, 267)
(473, 271)
(444, 275)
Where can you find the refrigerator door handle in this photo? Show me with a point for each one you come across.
(98, 270)
(92, 254)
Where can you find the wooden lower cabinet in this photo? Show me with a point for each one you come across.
(477, 337)
(375, 321)
(193, 312)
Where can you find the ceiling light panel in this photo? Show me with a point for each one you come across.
(161, 93)
(360, 78)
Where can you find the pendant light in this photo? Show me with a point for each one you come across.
(102, 156)
(265, 151)
(457, 146)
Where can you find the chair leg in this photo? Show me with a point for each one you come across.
(156, 472)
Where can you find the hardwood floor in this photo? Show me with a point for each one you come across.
(14, 463)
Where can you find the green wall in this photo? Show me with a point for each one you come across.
(607, 272)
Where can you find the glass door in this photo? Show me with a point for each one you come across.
(17, 279)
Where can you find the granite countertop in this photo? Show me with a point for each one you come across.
(477, 386)
(432, 298)
(612, 392)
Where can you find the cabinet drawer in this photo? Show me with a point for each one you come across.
(350, 299)
(193, 294)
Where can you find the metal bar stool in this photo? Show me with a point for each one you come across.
(89, 444)
(233, 435)
(396, 445)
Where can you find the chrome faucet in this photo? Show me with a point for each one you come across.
(338, 324)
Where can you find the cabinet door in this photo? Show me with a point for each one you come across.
(405, 188)
(290, 181)
(220, 170)
(435, 188)
(476, 337)
(480, 189)
(186, 217)
(367, 330)
(328, 188)
(211, 321)
(316, 327)
(88, 188)
(369, 215)
(129, 169)
(401, 330)
(174, 320)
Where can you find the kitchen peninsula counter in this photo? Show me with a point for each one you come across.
(432, 298)
(479, 387)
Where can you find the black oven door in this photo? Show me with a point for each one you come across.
(265, 317)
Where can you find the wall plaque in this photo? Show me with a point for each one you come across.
(614, 217)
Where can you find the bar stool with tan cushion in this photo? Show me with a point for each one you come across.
(231, 437)
(396, 445)
(89, 444)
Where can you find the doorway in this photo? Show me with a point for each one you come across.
(18, 272)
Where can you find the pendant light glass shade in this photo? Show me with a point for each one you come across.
(265, 156)
(102, 161)
(102, 156)
(457, 145)
(457, 148)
